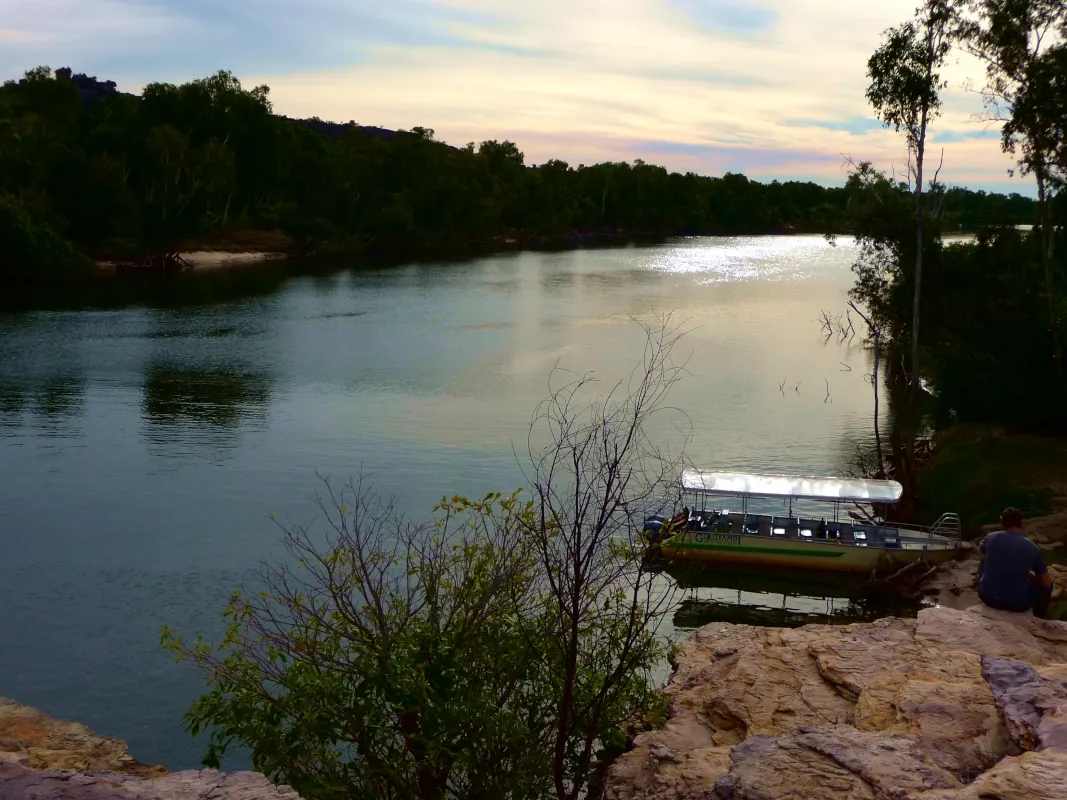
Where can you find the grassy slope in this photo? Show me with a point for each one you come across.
(978, 471)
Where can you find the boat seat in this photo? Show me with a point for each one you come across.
(843, 529)
(758, 525)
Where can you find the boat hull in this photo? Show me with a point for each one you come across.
(725, 548)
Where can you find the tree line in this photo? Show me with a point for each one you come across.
(88, 171)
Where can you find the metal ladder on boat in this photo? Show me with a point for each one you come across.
(947, 525)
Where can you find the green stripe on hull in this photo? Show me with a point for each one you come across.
(778, 551)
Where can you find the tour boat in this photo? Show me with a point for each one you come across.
(733, 521)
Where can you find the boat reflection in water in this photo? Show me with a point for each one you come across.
(778, 598)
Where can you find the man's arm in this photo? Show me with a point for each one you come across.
(1041, 571)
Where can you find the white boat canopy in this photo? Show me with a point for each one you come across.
(734, 484)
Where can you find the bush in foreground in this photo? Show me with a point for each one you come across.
(502, 650)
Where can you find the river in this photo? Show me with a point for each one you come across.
(147, 429)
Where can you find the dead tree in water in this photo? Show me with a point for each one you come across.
(875, 332)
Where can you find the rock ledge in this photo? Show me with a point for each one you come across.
(49, 759)
(954, 705)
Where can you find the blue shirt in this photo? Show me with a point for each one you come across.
(1004, 575)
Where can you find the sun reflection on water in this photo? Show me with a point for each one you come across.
(746, 258)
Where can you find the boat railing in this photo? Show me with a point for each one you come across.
(947, 526)
(945, 532)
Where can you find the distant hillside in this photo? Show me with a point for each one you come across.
(325, 128)
(91, 90)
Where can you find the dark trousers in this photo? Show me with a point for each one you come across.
(1040, 597)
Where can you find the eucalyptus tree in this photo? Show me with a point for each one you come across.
(905, 86)
(1021, 43)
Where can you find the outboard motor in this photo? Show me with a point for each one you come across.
(653, 529)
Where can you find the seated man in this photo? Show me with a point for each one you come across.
(1012, 574)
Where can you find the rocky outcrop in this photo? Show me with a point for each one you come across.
(49, 759)
(955, 584)
(1032, 701)
(951, 705)
(37, 741)
(1051, 529)
(55, 784)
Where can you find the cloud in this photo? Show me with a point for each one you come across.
(772, 87)
(731, 16)
(955, 137)
(855, 125)
(720, 158)
(17, 37)
(152, 39)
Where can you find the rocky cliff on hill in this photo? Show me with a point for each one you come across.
(954, 705)
(49, 759)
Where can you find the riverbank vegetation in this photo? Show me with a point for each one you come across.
(970, 334)
(981, 470)
(87, 171)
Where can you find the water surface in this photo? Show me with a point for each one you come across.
(147, 430)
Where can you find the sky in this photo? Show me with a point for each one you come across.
(770, 88)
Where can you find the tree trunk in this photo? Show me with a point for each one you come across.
(920, 154)
(877, 424)
(1048, 243)
(567, 700)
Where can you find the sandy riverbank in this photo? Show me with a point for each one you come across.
(211, 260)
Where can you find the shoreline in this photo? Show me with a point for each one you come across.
(243, 253)
(212, 259)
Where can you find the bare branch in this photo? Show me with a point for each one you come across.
(937, 172)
